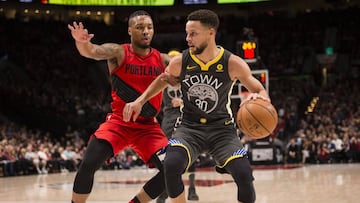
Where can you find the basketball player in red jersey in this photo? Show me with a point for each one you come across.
(132, 68)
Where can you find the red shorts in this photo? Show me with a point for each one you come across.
(145, 137)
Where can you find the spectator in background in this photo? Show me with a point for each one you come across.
(323, 154)
(305, 152)
(44, 157)
(293, 152)
(339, 150)
(55, 159)
(8, 159)
(69, 157)
(33, 157)
(23, 164)
(354, 149)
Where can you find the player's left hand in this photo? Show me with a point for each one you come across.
(176, 102)
(79, 32)
(255, 96)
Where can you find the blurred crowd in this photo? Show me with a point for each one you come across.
(25, 152)
(52, 98)
(331, 133)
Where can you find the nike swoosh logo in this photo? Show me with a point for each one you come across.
(228, 122)
(190, 67)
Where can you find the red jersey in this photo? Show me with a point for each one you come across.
(132, 77)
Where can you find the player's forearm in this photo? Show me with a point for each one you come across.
(254, 86)
(154, 88)
(86, 49)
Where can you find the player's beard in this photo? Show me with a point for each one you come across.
(200, 49)
(142, 46)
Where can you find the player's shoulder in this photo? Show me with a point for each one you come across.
(237, 66)
(233, 58)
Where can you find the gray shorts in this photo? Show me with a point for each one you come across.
(219, 140)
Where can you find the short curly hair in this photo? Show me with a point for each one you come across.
(206, 17)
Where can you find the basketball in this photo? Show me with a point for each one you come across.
(257, 118)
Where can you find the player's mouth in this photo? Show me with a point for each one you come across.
(146, 39)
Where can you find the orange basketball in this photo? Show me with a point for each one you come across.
(257, 118)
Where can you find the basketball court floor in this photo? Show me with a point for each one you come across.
(333, 183)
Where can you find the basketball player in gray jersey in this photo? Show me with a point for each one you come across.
(206, 73)
(171, 103)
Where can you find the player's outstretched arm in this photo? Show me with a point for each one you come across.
(87, 49)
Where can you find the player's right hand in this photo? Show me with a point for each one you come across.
(79, 33)
(132, 109)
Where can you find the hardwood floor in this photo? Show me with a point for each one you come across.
(333, 183)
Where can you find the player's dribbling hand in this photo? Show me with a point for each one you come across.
(255, 96)
(79, 33)
(132, 109)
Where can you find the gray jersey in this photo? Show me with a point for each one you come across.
(207, 121)
(206, 87)
(170, 113)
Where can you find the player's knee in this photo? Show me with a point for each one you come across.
(96, 154)
(176, 161)
(89, 165)
(241, 170)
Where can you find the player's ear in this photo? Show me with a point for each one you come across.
(129, 31)
(212, 31)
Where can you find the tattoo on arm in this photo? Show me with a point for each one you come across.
(107, 51)
(113, 61)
